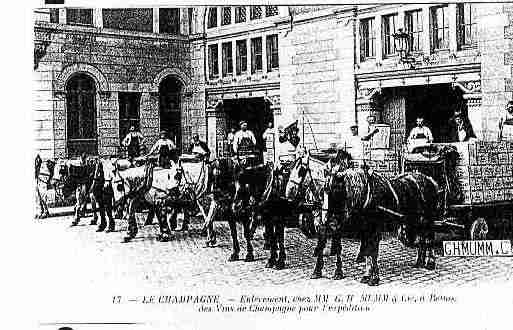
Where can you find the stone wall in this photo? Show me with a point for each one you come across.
(495, 34)
(118, 61)
(317, 77)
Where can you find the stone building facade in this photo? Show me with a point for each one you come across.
(99, 71)
(328, 67)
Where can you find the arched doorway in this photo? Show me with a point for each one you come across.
(170, 108)
(81, 115)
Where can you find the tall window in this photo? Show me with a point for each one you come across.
(413, 26)
(439, 27)
(190, 13)
(389, 24)
(78, 16)
(226, 15)
(128, 112)
(227, 66)
(169, 20)
(212, 18)
(272, 52)
(467, 27)
(255, 12)
(271, 11)
(132, 19)
(213, 64)
(81, 115)
(241, 56)
(54, 15)
(240, 14)
(367, 39)
(256, 55)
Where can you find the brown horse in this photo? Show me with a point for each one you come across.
(361, 200)
(223, 188)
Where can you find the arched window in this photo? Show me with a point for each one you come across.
(81, 115)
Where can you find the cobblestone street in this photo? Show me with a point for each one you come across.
(185, 262)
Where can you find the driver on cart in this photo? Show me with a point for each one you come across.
(419, 135)
(199, 148)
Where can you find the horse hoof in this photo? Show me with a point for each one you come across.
(373, 281)
(430, 265)
(338, 276)
(365, 280)
(280, 265)
(316, 275)
(233, 257)
(249, 258)
(270, 263)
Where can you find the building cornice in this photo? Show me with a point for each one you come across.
(243, 89)
(103, 32)
(419, 72)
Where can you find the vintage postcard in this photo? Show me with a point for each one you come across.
(260, 165)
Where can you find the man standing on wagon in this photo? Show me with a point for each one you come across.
(133, 142)
(244, 141)
(166, 150)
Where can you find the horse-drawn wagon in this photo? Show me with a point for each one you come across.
(476, 186)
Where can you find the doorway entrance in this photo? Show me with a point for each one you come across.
(256, 111)
(435, 103)
(170, 109)
(81, 116)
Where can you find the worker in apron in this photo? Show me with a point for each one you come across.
(419, 135)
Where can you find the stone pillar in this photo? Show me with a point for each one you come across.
(108, 123)
(149, 118)
(60, 125)
(216, 125)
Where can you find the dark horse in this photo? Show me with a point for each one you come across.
(88, 180)
(355, 199)
(363, 200)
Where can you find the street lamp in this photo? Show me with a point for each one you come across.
(402, 43)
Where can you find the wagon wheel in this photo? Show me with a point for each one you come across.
(479, 229)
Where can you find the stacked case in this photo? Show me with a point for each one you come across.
(485, 171)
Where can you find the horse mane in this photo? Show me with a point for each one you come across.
(355, 185)
(342, 156)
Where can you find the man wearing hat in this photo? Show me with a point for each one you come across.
(244, 140)
(199, 147)
(166, 150)
(133, 142)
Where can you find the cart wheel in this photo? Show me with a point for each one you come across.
(479, 229)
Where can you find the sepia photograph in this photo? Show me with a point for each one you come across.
(221, 165)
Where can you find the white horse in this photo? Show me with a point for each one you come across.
(145, 184)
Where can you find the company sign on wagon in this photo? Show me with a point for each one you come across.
(477, 248)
